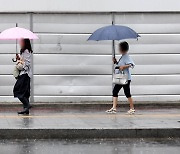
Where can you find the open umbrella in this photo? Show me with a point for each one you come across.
(113, 32)
(17, 33)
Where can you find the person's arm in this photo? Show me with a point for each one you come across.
(123, 67)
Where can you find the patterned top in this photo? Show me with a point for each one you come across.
(27, 57)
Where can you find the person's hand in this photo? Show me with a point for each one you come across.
(19, 61)
(121, 68)
(114, 60)
(17, 57)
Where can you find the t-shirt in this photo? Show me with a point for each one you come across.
(125, 60)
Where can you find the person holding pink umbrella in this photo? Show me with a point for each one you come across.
(22, 86)
(23, 68)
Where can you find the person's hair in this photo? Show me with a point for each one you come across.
(124, 46)
(27, 45)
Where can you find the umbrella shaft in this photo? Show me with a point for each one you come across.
(113, 48)
(16, 46)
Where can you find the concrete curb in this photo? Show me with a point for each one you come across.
(88, 133)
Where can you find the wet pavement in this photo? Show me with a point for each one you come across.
(96, 146)
(90, 123)
(89, 118)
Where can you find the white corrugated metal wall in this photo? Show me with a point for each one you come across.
(68, 68)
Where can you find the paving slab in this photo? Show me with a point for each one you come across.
(56, 122)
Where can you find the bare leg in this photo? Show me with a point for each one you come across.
(115, 101)
(131, 102)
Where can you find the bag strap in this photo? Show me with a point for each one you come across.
(117, 63)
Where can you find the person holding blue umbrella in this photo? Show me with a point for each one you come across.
(122, 77)
(124, 63)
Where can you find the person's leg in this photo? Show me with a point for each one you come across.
(25, 102)
(131, 102)
(115, 102)
(116, 90)
(127, 92)
(25, 105)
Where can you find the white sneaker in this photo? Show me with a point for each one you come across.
(112, 110)
(131, 111)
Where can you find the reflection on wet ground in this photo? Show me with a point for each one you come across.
(89, 118)
(96, 146)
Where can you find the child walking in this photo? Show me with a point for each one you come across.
(124, 63)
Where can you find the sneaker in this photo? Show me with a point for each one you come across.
(131, 111)
(112, 110)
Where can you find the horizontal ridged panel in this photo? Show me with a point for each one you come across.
(10, 20)
(147, 18)
(94, 85)
(105, 90)
(95, 69)
(87, 99)
(82, 39)
(87, 23)
(93, 64)
(150, 22)
(63, 44)
(83, 68)
(70, 23)
(93, 80)
(96, 90)
(84, 99)
(100, 48)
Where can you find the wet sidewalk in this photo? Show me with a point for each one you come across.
(89, 123)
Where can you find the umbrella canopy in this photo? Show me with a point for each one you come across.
(114, 32)
(17, 33)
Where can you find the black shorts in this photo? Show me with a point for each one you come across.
(126, 88)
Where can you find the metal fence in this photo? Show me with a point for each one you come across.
(67, 68)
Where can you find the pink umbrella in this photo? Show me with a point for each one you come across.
(17, 33)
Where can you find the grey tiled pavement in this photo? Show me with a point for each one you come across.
(57, 118)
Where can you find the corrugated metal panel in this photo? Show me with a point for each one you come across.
(69, 68)
(70, 23)
(99, 48)
(10, 20)
(150, 22)
(93, 80)
(105, 90)
(92, 85)
(77, 43)
(84, 99)
(95, 64)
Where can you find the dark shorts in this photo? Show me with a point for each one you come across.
(22, 87)
(126, 88)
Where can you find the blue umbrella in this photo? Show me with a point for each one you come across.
(114, 32)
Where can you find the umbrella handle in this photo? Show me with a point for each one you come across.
(17, 58)
(14, 60)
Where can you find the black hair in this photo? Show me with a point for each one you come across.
(27, 45)
(124, 46)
